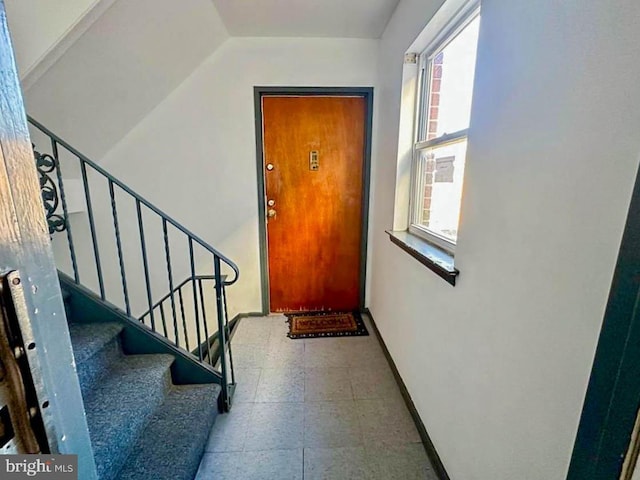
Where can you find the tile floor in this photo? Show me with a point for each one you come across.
(325, 408)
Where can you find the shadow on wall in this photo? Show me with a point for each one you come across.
(178, 319)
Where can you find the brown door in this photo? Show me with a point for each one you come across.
(313, 162)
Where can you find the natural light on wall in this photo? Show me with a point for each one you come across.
(443, 111)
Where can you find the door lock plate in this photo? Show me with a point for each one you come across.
(314, 161)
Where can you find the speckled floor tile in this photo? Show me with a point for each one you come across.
(331, 424)
(325, 352)
(353, 424)
(400, 462)
(230, 430)
(364, 352)
(219, 466)
(246, 384)
(284, 355)
(275, 426)
(327, 383)
(248, 356)
(326, 342)
(271, 465)
(279, 329)
(386, 421)
(371, 383)
(281, 385)
(336, 463)
(252, 331)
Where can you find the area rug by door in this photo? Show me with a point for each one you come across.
(325, 324)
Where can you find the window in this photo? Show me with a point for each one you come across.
(443, 111)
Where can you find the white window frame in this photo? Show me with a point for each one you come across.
(459, 21)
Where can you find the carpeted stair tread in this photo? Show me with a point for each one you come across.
(121, 405)
(96, 346)
(89, 338)
(171, 447)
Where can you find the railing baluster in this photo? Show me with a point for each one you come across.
(195, 297)
(222, 341)
(204, 350)
(116, 228)
(92, 227)
(184, 322)
(145, 263)
(228, 333)
(97, 168)
(164, 321)
(63, 199)
(170, 275)
(204, 321)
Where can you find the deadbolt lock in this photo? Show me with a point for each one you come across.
(271, 203)
(269, 166)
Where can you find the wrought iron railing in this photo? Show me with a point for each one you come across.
(182, 315)
(204, 340)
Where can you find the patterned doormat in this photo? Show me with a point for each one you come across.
(325, 324)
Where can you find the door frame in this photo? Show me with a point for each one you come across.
(367, 94)
(613, 395)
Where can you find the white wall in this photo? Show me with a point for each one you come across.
(636, 474)
(498, 365)
(194, 155)
(126, 63)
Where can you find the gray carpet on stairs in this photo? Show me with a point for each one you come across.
(141, 425)
(176, 436)
(95, 347)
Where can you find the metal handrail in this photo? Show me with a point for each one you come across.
(47, 163)
(140, 198)
(175, 289)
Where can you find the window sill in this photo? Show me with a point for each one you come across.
(437, 260)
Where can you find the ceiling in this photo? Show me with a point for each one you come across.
(38, 25)
(306, 18)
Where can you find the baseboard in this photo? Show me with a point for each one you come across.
(438, 467)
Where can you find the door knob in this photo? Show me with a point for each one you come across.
(271, 213)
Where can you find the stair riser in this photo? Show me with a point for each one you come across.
(173, 444)
(91, 370)
(111, 451)
(141, 425)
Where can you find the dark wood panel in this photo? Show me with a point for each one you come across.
(314, 239)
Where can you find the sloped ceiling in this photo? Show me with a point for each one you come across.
(124, 65)
(111, 62)
(37, 26)
(306, 18)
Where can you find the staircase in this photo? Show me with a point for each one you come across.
(154, 367)
(142, 425)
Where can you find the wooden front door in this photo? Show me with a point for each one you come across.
(313, 167)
